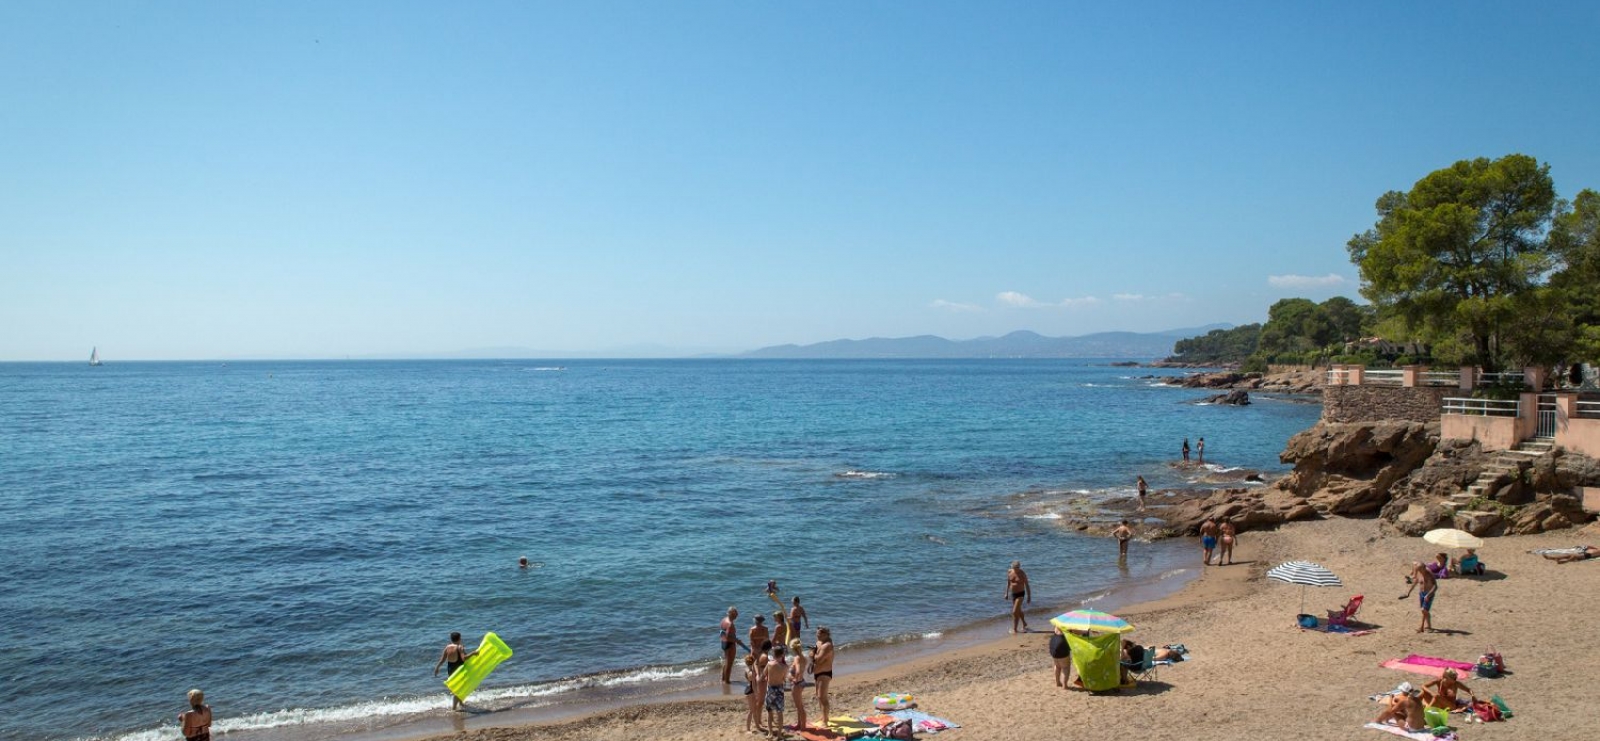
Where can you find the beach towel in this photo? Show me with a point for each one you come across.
(1428, 665)
(820, 734)
(1413, 735)
(925, 722)
(849, 726)
(1575, 550)
(1323, 627)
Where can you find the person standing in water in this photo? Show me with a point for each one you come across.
(730, 639)
(1017, 588)
(780, 629)
(760, 639)
(797, 616)
(822, 668)
(1200, 451)
(1123, 533)
(1143, 489)
(1186, 450)
(452, 658)
(196, 721)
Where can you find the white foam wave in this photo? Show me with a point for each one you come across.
(933, 635)
(392, 706)
(1045, 516)
(1165, 575)
(853, 474)
(549, 368)
(1219, 468)
(1094, 598)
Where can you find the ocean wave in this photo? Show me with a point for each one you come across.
(854, 474)
(1045, 516)
(547, 368)
(1094, 598)
(1165, 575)
(932, 635)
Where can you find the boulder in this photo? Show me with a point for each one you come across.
(1236, 397)
(1349, 468)
(1419, 518)
(1476, 522)
(1249, 509)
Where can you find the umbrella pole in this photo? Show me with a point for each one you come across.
(1302, 599)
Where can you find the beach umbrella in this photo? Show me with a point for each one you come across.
(1091, 620)
(1452, 538)
(1306, 574)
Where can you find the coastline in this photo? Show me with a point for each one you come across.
(1252, 672)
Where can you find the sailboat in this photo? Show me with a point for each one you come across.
(94, 356)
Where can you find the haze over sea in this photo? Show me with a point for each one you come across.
(299, 538)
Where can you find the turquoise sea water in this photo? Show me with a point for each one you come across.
(299, 538)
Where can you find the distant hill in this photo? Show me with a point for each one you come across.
(1020, 344)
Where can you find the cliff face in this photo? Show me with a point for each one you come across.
(1402, 472)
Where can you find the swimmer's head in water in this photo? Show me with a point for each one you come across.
(523, 562)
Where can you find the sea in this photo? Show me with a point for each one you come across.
(299, 539)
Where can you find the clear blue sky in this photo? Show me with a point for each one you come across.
(213, 180)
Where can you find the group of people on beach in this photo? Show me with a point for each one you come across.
(776, 665)
(1218, 536)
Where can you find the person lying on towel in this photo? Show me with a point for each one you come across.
(1404, 709)
(1587, 553)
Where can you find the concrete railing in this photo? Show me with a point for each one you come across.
(1440, 378)
(1587, 409)
(1384, 377)
(1483, 407)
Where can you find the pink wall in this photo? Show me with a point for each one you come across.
(1579, 434)
(1494, 433)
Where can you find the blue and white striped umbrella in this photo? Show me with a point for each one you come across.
(1306, 574)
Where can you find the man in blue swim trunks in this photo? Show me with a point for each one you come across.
(1208, 537)
(1422, 577)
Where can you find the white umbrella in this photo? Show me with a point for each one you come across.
(1452, 538)
(1306, 574)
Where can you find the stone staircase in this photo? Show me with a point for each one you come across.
(1506, 462)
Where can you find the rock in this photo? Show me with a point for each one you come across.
(1236, 397)
(1476, 522)
(1348, 468)
(1419, 518)
(1250, 509)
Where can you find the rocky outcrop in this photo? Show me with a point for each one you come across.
(1249, 509)
(1236, 397)
(1292, 382)
(1349, 469)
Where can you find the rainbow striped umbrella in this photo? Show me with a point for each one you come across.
(1091, 620)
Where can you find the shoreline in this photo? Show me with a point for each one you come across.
(1252, 671)
(976, 641)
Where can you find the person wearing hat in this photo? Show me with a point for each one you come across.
(1404, 709)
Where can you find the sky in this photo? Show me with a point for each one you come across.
(198, 180)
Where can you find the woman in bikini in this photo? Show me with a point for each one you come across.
(1225, 551)
(797, 683)
(196, 721)
(822, 668)
(752, 701)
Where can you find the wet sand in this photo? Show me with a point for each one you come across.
(1254, 674)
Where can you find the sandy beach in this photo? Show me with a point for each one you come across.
(1253, 674)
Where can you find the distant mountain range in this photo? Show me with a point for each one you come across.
(1020, 344)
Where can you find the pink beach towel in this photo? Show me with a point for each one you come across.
(1429, 665)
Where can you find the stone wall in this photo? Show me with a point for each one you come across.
(1380, 403)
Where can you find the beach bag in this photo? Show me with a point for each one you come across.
(1307, 621)
(1490, 665)
(1486, 711)
(1505, 710)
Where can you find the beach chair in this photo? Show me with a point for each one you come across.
(1144, 670)
(1343, 617)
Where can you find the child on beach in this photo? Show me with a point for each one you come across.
(1061, 656)
(453, 658)
(752, 701)
(196, 721)
(777, 671)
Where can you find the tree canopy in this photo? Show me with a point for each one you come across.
(1459, 256)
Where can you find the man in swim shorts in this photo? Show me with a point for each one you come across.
(1422, 577)
(453, 658)
(1123, 533)
(1017, 588)
(729, 638)
(822, 668)
(1208, 538)
(777, 670)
